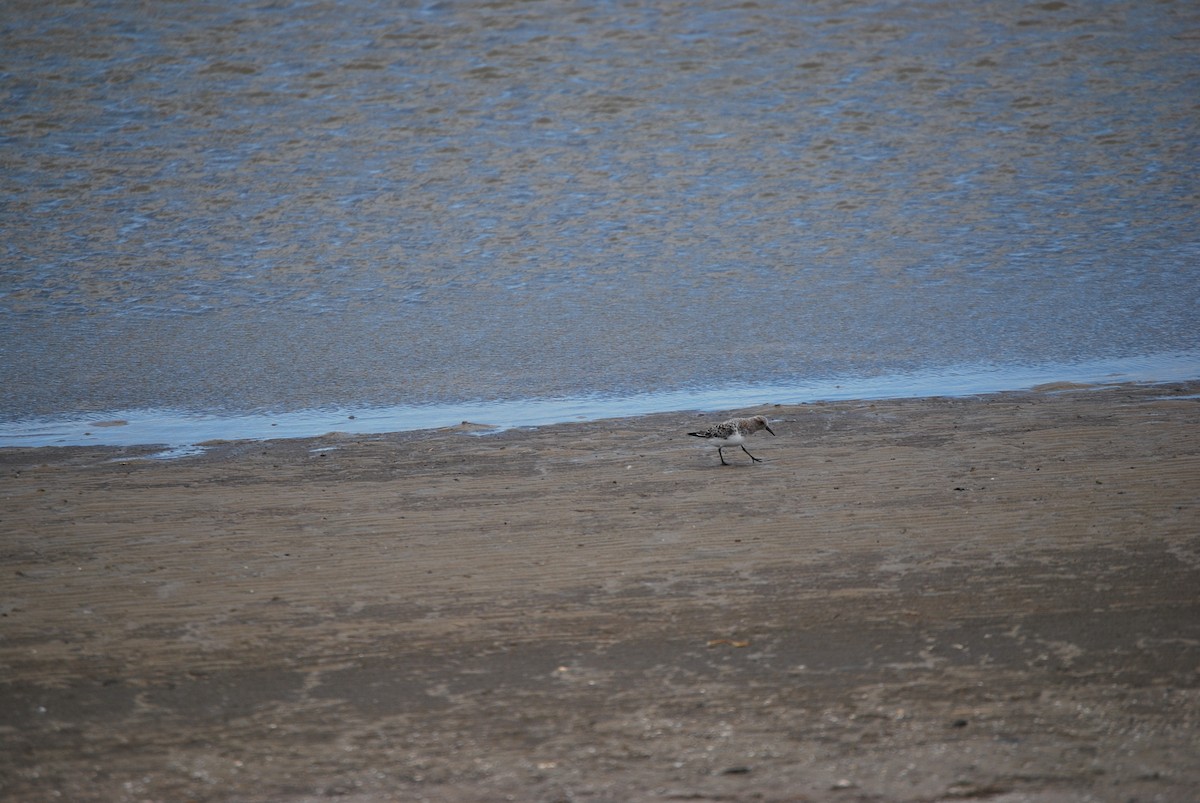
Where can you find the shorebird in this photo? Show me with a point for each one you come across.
(733, 433)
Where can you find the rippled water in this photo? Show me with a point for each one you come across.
(241, 207)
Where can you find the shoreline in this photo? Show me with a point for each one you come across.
(914, 599)
(182, 433)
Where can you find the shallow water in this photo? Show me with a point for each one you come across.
(185, 433)
(269, 209)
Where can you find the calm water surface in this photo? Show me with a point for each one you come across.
(252, 208)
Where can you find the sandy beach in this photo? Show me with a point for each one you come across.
(992, 598)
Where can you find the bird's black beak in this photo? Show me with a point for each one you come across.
(768, 428)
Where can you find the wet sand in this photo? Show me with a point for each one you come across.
(935, 599)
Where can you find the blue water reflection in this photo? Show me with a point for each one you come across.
(185, 433)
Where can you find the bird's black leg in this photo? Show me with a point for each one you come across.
(752, 457)
(721, 455)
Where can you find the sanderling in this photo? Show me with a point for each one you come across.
(733, 433)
